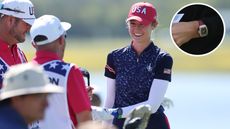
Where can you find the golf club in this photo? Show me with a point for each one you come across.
(86, 74)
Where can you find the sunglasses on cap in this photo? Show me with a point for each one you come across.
(65, 34)
(9, 9)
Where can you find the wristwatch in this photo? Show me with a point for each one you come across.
(117, 113)
(203, 29)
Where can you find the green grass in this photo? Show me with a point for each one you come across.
(91, 54)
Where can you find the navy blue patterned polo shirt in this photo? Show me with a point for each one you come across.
(134, 74)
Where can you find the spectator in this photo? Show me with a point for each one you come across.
(23, 98)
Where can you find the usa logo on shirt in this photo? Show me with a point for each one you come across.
(149, 68)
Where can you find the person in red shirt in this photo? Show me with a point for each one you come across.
(73, 107)
(16, 18)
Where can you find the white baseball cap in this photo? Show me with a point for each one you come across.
(22, 9)
(48, 26)
(23, 79)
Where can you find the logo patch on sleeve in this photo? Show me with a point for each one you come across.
(110, 69)
(167, 71)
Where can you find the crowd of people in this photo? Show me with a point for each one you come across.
(49, 93)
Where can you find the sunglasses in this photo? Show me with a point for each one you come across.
(65, 34)
(9, 9)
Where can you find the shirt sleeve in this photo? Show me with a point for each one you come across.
(164, 67)
(78, 98)
(109, 68)
(110, 96)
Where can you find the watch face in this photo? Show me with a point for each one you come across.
(206, 25)
(203, 30)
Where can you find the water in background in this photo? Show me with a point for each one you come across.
(201, 100)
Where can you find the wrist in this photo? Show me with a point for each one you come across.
(202, 29)
(195, 26)
(117, 113)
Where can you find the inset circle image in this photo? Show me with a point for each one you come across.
(197, 29)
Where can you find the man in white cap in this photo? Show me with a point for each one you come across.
(67, 110)
(23, 97)
(16, 18)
